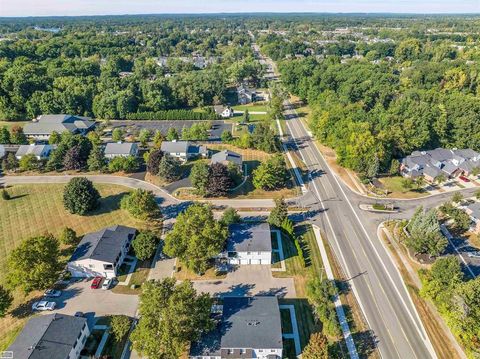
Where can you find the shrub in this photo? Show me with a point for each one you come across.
(271, 174)
(68, 236)
(5, 195)
(28, 163)
(80, 196)
(141, 204)
(145, 245)
(230, 216)
(119, 326)
(126, 164)
(6, 300)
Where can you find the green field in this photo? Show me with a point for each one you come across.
(36, 209)
(253, 107)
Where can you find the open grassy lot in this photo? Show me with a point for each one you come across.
(395, 189)
(252, 107)
(10, 124)
(35, 209)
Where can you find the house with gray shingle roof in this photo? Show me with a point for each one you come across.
(184, 150)
(42, 127)
(51, 336)
(101, 253)
(440, 161)
(248, 243)
(39, 151)
(249, 327)
(120, 149)
(225, 157)
(473, 210)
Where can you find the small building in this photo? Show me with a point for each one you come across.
(51, 336)
(248, 243)
(224, 111)
(42, 127)
(473, 210)
(101, 253)
(184, 150)
(120, 149)
(41, 152)
(245, 95)
(249, 327)
(225, 157)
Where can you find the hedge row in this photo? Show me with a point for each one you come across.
(172, 115)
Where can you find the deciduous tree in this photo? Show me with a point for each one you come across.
(80, 196)
(145, 245)
(141, 204)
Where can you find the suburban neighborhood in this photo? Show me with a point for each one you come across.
(239, 186)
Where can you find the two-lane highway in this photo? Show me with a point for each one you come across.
(372, 274)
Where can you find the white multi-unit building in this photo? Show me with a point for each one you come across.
(120, 149)
(101, 253)
(184, 150)
(249, 327)
(40, 152)
(248, 243)
(51, 336)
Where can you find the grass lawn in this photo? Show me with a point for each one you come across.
(252, 158)
(294, 268)
(183, 273)
(139, 276)
(252, 107)
(35, 209)
(394, 186)
(10, 124)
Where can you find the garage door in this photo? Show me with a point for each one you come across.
(255, 261)
(244, 261)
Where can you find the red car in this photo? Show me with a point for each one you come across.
(464, 179)
(96, 282)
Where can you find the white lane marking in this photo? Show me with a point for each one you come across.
(421, 330)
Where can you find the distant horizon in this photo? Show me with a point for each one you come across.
(62, 8)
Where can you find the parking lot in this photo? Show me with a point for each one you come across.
(248, 280)
(79, 297)
(217, 126)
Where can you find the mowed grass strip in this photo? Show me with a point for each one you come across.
(36, 209)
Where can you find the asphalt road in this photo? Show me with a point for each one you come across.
(372, 273)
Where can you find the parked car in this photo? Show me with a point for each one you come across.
(43, 305)
(107, 284)
(464, 179)
(475, 254)
(79, 314)
(96, 282)
(52, 293)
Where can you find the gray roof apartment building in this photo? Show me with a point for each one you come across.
(249, 327)
(184, 150)
(101, 253)
(51, 336)
(44, 125)
(433, 163)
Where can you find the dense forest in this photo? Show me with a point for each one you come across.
(380, 100)
(110, 67)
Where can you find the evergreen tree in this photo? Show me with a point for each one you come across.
(169, 168)
(172, 134)
(279, 213)
(4, 136)
(96, 160)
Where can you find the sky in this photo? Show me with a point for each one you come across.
(117, 7)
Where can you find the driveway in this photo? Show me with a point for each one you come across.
(248, 280)
(79, 297)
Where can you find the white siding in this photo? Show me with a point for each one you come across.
(245, 258)
(75, 352)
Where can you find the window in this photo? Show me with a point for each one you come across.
(248, 253)
(108, 266)
(242, 351)
(259, 253)
(91, 266)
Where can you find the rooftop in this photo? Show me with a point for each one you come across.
(227, 156)
(249, 237)
(124, 148)
(103, 245)
(36, 150)
(247, 322)
(47, 337)
(46, 124)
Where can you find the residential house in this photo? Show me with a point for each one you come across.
(224, 111)
(225, 157)
(440, 161)
(245, 95)
(41, 152)
(248, 327)
(184, 150)
(101, 253)
(51, 336)
(42, 127)
(119, 149)
(473, 210)
(248, 243)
